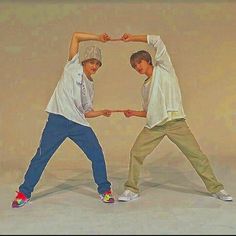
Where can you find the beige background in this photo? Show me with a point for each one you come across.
(199, 35)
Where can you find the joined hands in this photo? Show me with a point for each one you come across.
(125, 38)
(127, 112)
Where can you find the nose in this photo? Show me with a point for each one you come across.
(138, 67)
(94, 67)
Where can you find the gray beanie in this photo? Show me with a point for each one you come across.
(92, 52)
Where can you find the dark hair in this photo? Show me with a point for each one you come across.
(140, 55)
(91, 59)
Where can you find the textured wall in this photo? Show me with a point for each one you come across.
(200, 37)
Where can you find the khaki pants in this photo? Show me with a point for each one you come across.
(180, 134)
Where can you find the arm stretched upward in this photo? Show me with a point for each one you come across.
(78, 37)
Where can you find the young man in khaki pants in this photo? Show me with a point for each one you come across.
(162, 107)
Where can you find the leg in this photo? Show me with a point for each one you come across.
(52, 137)
(86, 139)
(179, 133)
(145, 143)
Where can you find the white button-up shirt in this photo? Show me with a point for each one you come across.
(73, 95)
(164, 102)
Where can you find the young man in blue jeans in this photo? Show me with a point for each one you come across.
(68, 108)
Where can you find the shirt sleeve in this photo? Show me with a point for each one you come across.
(162, 57)
(87, 107)
(74, 60)
(86, 100)
(73, 68)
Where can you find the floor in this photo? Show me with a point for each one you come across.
(173, 201)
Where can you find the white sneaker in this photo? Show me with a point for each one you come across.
(222, 195)
(127, 196)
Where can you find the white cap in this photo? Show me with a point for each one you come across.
(92, 52)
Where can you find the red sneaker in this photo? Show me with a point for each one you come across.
(107, 197)
(20, 200)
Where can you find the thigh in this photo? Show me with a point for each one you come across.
(181, 135)
(147, 140)
(54, 132)
(86, 139)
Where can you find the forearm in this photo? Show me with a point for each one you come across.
(129, 113)
(139, 38)
(92, 114)
(140, 113)
(78, 37)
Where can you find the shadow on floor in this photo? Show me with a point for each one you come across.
(79, 184)
(155, 175)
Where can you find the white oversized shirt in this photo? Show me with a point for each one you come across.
(145, 93)
(73, 95)
(164, 102)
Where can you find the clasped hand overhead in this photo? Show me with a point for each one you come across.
(125, 38)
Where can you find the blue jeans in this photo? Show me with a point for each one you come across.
(57, 129)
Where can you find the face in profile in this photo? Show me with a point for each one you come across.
(91, 66)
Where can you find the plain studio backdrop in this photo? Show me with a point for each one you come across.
(200, 37)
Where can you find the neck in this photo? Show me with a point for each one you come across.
(149, 71)
(88, 75)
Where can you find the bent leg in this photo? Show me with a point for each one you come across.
(180, 134)
(145, 143)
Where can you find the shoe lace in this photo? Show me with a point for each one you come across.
(107, 195)
(128, 192)
(108, 192)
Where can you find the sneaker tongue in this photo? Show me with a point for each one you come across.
(21, 196)
(108, 192)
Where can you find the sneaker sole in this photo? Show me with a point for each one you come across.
(130, 200)
(226, 200)
(109, 202)
(19, 206)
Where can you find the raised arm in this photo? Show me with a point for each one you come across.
(162, 56)
(78, 37)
